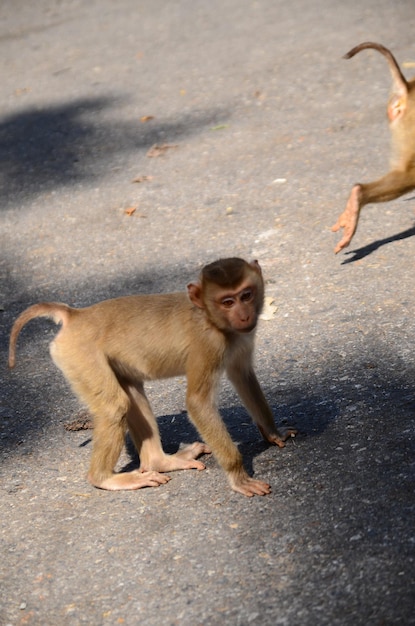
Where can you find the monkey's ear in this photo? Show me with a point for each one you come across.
(396, 107)
(256, 266)
(194, 291)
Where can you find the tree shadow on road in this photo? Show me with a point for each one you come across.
(45, 149)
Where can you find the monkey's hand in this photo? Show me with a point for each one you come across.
(348, 219)
(182, 460)
(280, 436)
(242, 483)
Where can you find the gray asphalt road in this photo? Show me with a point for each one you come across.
(267, 129)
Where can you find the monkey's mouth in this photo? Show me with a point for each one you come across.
(246, 329)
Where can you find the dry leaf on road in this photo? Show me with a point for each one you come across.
(142, 179)
(159, 149)
(269, 309)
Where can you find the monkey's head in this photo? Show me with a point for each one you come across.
(231, 292)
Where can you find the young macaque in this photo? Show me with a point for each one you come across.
(107, 351)
(401, 178)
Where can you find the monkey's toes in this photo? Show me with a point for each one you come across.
(197, 465)
(186, 457)
(250, 487)
(194, 450)
(154, 479)
(349, 228)
(131, 480)
(342, 244)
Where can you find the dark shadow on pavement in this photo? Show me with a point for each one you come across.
(361, 253)
(46, 149)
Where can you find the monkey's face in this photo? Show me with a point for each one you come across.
(234, 311)
(231, 299)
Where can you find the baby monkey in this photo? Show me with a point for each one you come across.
(107, 351)
(401, 178)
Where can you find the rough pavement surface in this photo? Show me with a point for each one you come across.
(270, 129)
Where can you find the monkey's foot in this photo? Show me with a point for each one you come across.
(348, 219)
(181, 460)
(280, 437)
(249, 486)
(131, 480)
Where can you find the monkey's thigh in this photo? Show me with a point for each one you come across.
(87, 370)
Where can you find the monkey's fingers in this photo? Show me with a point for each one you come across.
(132, 480)
(337, 225)
(344, 242)
(286, 432)
(155, 479)
(249, 487)
(280, 437)
(186, 458)
(349, 226)
(195, 449)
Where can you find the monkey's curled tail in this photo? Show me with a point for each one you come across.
(399, 79)
(56, 311)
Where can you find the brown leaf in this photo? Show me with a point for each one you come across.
(146, 118)
(130, 210)
(159, 149)
(269, 309)
(83, 421)
(142, 179)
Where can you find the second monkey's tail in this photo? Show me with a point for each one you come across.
(60, 314)
(399, 79)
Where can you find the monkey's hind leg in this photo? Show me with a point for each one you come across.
(144, 431)
(96, 384)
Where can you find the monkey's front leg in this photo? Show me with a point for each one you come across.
(391, 186)
(207, 420)
(349, 218)
(251, 394)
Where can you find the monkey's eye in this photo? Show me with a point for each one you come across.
(247, 295)
(228, 303)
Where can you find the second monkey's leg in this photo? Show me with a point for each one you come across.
(391, 186)
(144, 432)
(349, 218)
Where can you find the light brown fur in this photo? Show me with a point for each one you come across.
(401, 178)
(107, 351)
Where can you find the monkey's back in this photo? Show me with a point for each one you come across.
(142, 336)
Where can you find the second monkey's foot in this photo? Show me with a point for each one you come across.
(348, 219)
(181, 460)
(280, 437)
